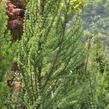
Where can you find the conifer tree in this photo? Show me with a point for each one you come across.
(95, 94)
(50, 58)
(7, 49)
(52, 67)
(7, 53)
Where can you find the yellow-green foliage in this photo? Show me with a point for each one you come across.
(49, 53)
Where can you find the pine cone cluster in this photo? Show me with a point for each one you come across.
(15, 12)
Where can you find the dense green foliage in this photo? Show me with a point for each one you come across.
(62, 61)
(6, 53)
